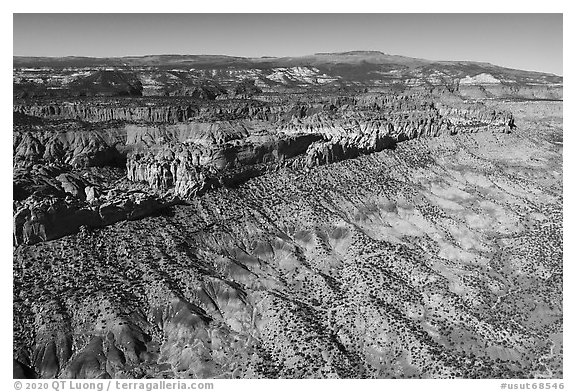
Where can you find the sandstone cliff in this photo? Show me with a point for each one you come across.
(189, 150)
(52, 200)
(305, 141)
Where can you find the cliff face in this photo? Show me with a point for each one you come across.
(468, 117)
(187, 152)
(191, 169)
(130, 111)
(78, 148)
(521, 92)
(303, 142)
(52, 200)
(37, 221)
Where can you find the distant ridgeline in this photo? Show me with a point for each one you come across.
(217, 77)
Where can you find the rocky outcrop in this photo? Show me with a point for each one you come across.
(270, 108)
(246, 88)
(78, 148)
(149, 112)
(188, 156)
(193, 158)
(477, 116)
(201, 90)
(192, 169)
(51, 201)
(513, 91)
(338, 149)
(46, 219)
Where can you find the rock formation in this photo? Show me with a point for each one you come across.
(51, 201)
(354, 215)
(189, 154)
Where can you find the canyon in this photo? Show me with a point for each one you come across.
(347, 215)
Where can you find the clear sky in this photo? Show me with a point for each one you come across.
(522, 41)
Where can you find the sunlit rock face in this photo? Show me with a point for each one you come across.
(317, 217)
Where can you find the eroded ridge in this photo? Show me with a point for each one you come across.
(218, 144)
(441, 258)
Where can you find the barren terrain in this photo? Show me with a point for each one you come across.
(291, 234)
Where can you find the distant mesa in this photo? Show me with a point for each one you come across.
(198, 75)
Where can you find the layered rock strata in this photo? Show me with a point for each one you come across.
(190, 168)
(51, 201)
(441, 258)
(188, 152)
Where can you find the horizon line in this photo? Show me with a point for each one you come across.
(284, 57)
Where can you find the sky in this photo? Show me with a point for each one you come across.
(522, 41)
